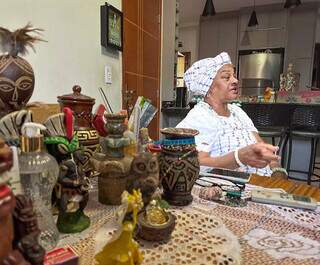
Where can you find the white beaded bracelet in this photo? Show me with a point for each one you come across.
(236, 157)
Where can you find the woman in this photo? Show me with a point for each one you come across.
(227, 137)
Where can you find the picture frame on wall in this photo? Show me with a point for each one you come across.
(111, 27)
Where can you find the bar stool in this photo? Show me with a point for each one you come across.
(265, 119)
(305, 125)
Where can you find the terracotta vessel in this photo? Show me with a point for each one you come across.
(179, 165)
(81, 106)
(112, 164)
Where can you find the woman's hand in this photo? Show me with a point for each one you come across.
(258, 155)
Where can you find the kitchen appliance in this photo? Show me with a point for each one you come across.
(181, 97)
(255, 86)
(259, 69)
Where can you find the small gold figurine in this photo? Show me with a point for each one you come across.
(155, 215)
(124, 250)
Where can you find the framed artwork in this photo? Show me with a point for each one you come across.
(111, 27)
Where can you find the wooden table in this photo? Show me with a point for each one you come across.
(288, 185)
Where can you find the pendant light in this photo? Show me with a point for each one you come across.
(208, 9)
(292, 3)
(253, 21)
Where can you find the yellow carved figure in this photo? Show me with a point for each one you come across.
(124, 250)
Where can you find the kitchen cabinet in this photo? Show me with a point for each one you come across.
(270, 33)
(219, 34)
(291, 29)
(300, 44)
(301, 32)
(208, 39)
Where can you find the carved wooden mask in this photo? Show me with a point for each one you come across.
(16, 83)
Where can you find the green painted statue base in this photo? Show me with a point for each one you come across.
(73, 222)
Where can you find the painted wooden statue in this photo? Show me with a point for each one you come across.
(72, 190)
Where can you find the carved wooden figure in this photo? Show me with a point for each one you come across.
(72, 190)
(144, 175)
(18, 222)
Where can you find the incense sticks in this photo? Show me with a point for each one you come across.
(105, 99)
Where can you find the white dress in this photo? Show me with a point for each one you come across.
(219, 135)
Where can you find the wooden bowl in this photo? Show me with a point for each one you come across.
(179, 132)
(155, 232)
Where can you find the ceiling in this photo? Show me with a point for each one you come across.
(190, 10)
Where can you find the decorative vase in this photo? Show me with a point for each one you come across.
(179, 165)
(81, 106)
(112, 164)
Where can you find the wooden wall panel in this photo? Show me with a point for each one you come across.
(130, 9)
(151, 17)
(150, 59)
(141, 55)
(130, 50)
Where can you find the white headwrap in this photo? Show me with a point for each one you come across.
(200, 75)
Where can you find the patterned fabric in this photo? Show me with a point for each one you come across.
(308, 219)
(196, 239)
(281, 246)
(219, 135)
(265, 236)
(199, 76)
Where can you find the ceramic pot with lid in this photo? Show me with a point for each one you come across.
(81, 105)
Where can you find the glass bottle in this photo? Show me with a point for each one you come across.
(38, 175)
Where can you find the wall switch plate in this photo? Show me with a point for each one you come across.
(107, 74)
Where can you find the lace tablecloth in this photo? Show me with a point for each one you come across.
(210, 233)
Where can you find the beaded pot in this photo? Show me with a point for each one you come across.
(179, 165)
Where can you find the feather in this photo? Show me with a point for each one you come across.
(55, 125)
(18, 41)
(10, 124)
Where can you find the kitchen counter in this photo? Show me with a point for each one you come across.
(275, 114)
(175, 110)
(301, 97)
(279, 114)
(172, 116)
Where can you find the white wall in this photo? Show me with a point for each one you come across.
(189, 36)
(73, 54)
(168, 49)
